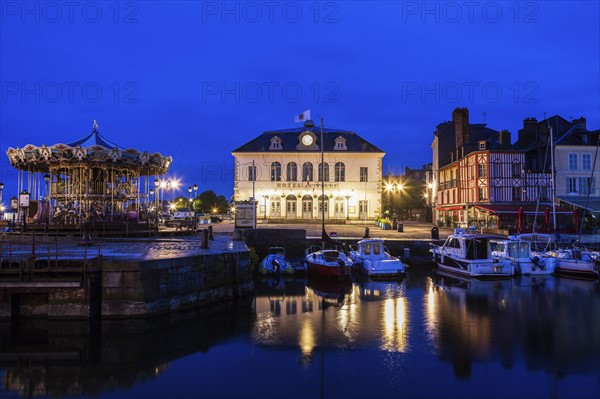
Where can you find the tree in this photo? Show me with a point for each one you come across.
(181, 202)
(208, 200)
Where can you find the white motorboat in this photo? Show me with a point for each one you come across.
(275, 263)
(469, 255)
(575, 261)
(518, 254)
(372, 259)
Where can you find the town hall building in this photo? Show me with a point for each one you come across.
(283, 169)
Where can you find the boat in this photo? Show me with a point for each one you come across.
(275, 263)
(469, 255)
(575, 261)
(518, 253)
(329, 263)
(372, 259)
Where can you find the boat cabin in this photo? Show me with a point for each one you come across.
(512, 249)
(470, 247)
(371, 248)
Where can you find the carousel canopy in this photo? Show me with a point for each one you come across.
(93, 149)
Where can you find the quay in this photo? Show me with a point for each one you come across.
(58, 278)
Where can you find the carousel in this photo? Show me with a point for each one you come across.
(91, 180)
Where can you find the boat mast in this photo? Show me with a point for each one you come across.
(552, 178)
(322, 186)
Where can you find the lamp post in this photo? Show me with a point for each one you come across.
(24, 203)
(156, 195)
(400, 187)
(149, 209)
(190, 199)
(347, 207)
(265, 197)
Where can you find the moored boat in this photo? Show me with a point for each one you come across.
(328, 263)
(275, 263)
(469, 255)
(575, 261)
(518, 254)
(371, 259)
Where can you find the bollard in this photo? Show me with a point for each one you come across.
(366, 232)
(435, 233)
(204, 244)
(406, 252)
(400, 228)
(210, 233)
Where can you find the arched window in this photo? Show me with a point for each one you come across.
(291, 172)
(275, 171)
(307, 171)
(324, 171)
(340, 171)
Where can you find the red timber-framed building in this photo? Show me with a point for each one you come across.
(481, 179)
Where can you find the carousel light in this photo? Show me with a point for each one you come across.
(156, 183)
(152, 191)
(47, 178)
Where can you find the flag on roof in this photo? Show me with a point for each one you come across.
(303, 116)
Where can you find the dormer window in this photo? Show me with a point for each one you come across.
(276, 144)
(482, 145)
(340, 144)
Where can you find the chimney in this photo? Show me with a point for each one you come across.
(504, 139)
(460, 117)
(579, 122)
(527, 135)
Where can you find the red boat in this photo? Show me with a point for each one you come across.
(327, 263)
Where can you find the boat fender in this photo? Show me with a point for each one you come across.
(276, 265)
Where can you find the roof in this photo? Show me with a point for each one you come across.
(93, 139)
(290, 139)
(593, 204)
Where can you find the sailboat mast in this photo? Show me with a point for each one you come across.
(552, 178)
(322, 182)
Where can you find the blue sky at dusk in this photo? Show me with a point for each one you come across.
(196, 80)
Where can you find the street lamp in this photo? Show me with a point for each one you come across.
(400, 187)
(190, 188)
(156, 192)
(347, 208)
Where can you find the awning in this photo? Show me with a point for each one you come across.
(514, 209)
(449, 208)
(593, 204)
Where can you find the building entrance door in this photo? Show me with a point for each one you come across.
(290, 203)
(307, 207)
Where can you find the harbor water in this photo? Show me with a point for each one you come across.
(429, 335)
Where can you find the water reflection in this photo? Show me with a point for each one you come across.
(544, 322)
(59, 358)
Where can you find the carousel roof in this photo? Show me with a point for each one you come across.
(93, 149)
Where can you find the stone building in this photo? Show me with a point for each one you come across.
(283, 169)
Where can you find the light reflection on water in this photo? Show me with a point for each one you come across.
(429, 335)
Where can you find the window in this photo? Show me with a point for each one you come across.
(275, 144)
(516, 193)
(291, 173)
(340, 144)
(572, 161)
(571, 185)
(307, 172)
(516, 170)
(275, 171)
(482, 170)
(251, 173)
(376, 249)
(586, 161)
(324, 170)
(482, 145)
(364, 174)
(482, 194)
(584, 184)
(340, 171)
